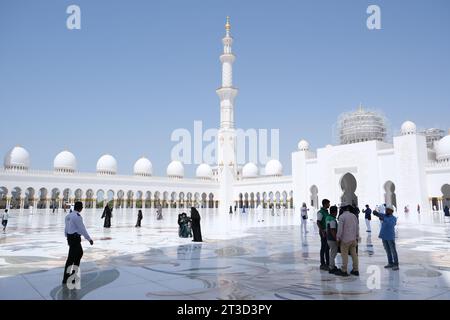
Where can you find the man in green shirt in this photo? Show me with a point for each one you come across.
(332, 227)
(321, 223)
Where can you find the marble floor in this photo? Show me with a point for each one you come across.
(240, 258)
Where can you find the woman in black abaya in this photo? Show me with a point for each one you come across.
(195, 217)
(107, 214)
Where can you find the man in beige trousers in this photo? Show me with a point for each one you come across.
(347, 239)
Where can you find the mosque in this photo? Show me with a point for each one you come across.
(362, 167)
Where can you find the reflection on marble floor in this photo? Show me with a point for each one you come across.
(240, 259)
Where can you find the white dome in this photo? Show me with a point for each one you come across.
(250, 170)
(204, 171)
(143, 167)
(443, 149)
(107, 164)
(274, 168)
(175, 169)
(65, 161)
(17, 158)
(303, 145)
(408, 127)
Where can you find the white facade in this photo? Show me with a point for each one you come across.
(404, 173)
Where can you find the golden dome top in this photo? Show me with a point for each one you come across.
(228, 25)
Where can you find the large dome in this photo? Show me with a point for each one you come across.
(65, 162)
(175, 169)
(107, 164)
(17, 158)
(274, 168)
(443, 149)
(408, 127)
(250, 170)
(361, 125)
(143, 167)
(204, 171)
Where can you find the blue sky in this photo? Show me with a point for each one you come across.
(137, 70)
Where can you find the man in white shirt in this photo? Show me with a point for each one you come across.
(5, 217)
(74, 229)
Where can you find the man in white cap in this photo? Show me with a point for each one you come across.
(347, 238)
(387, 234)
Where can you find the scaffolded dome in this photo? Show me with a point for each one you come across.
(361, 125)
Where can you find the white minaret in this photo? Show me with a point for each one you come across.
(226, 151)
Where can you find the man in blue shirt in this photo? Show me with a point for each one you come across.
(387, 234)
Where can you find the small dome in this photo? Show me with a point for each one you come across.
(17, 158)
(250, 170)
(65, 162)
(443, 149)
(107, 164)
(143, 167)
(329, 146)
(408, 127)
(204, 171)
(175, 169)
(274, 168)
(303, 145)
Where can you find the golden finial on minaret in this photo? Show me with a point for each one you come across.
(228, 25)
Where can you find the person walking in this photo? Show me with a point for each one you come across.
(139, 219)
(159, 215)
(387, 235)
(368, 215)
(321, 223)
(74, 229)
(332, 227)
(5, 217)
(195, 224)
(446, 211)
(107, 215)
(304, 217)
(347, 239)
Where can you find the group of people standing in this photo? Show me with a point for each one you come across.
(190, 226)
(340, 234)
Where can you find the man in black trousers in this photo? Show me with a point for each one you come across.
(74, 229)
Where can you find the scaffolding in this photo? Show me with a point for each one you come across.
(361, 125)
(432, 135)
